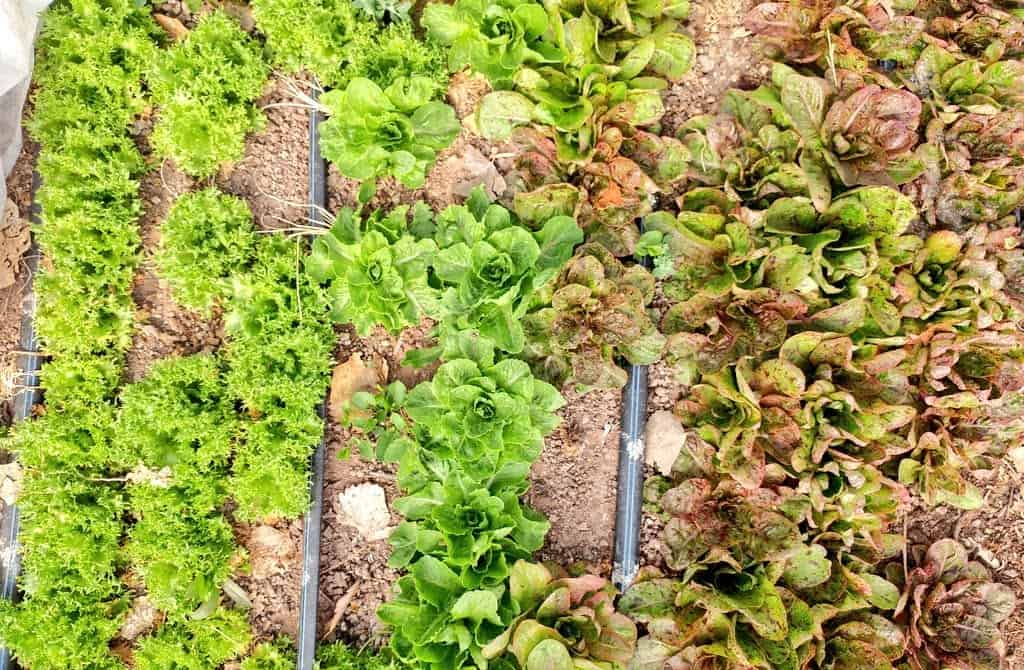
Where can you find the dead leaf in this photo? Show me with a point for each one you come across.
(242, 13)
(10, 482)
(15, 239)
(665, 438)
(465, 92)
(458, 175)
(142, 618)
(339, 610)
(349, 378)
(270, 552)
(365, 507)
(174, 28)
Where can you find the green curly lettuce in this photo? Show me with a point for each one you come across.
(310, 36)
(207, 642)
(205, 86)
(206, 238)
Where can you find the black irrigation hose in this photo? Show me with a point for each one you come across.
(311, 524)
(28, 365)
(629, 500)
(628, 513)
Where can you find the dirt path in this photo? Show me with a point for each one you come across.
(19, 192)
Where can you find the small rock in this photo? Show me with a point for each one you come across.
(160, 479)
(1016, 456)
(270, 552)
(10, 483)
(665, 438)
(365, 507)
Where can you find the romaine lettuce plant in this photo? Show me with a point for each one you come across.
(485, 414)
(596, 312)
(565, 622)
(491, 268)
(372, 280)
(953, 611)
(395, 131)
(495, 38)
(474, 529)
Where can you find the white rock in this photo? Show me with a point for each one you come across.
(665, 438)
(365, 507)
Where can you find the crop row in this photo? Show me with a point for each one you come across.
(127, 488)
(835, 287)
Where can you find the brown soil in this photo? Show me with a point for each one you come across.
(273, 177)
(726, 58)
(19, 189)
(574, 480)
(663, 389)
(354, 576)
(274, 582)
(162, 327)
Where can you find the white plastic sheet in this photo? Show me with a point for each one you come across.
(18, 22)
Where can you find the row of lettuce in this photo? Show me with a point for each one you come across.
(838, 295)
(131, 491)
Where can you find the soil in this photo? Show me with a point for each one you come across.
(274, 582)
(273, 176)
(162, 327)
(354, 576)
(574, 480)
(726, 57)
(19, 190)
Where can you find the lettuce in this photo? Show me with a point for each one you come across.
(206, 238)
(485, 414)
(397, 131)
(205, 86)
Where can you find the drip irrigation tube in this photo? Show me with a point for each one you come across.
(631, 476)
(29, 365)
(311, 524)
(629, 500)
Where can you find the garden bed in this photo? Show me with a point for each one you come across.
(572, 481)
